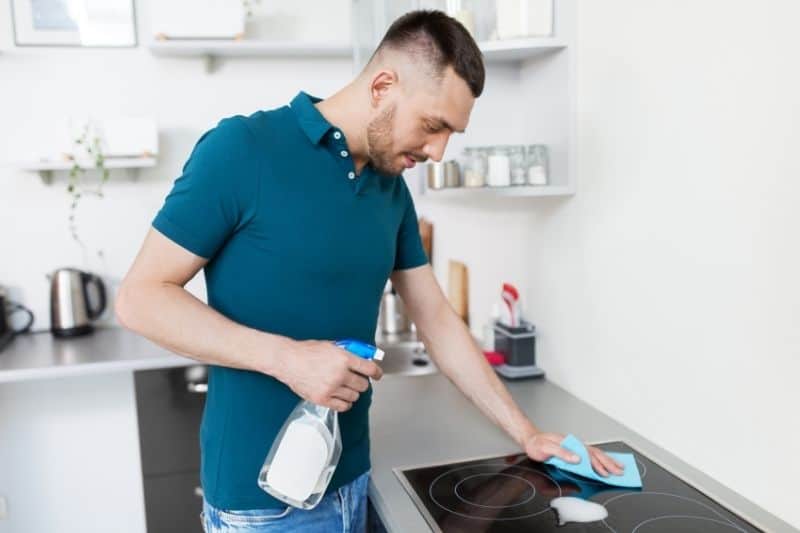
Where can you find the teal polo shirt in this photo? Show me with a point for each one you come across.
(298, 245)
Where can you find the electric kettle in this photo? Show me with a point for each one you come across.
(71, 312)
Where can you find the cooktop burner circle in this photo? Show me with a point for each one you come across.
(475, 478)
(467, 491)
(494, 494)
(704, 518)
(682, 522)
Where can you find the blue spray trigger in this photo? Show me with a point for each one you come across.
(361, 349)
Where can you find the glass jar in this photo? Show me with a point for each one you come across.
(518, 169)
(536, 162)
(474, 167)
(499, 168)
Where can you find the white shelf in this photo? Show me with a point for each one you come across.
(245, 48)
(513, 50)
(517, 191)
(46, 167)
(494, 51)
(214, 49)
(110, 162)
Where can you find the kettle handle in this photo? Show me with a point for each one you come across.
(101, 292)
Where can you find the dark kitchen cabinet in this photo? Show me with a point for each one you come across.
(169, 405)
(173, 503)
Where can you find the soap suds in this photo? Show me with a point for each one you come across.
(571, 509)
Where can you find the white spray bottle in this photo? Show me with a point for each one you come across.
(304, 454)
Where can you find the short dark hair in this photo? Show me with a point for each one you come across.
(441, 41)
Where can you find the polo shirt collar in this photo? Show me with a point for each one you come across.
(309, 118)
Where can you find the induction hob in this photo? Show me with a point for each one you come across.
(513, 493)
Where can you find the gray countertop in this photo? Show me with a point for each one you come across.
(426, 420)
(40, 355)
(414, 420)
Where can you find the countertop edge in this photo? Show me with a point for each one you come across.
(86, 369)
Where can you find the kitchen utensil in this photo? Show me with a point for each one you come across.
(510, 297)
(518, 346)
(71, 311)
(458, 289)
(426, 236)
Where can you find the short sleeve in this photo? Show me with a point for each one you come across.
(409, 253)
(216, 193)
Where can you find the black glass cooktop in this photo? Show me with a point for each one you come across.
(513, 493)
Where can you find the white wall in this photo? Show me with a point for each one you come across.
(667, 290)
(39, 86)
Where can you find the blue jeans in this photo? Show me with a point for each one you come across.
(343, 510)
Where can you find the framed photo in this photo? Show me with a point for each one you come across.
(90, 23)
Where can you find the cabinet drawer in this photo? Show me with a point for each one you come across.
(169, 410)
(173, 503)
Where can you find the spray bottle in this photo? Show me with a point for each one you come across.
(306, 450)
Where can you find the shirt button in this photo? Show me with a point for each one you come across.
(343, 153)
(337, 135)
(351, 175)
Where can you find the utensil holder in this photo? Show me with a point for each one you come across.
(517, 344)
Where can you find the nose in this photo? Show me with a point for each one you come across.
(435, 147)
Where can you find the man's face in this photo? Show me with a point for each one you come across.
(416, 122)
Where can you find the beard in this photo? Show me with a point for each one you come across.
(379, 144)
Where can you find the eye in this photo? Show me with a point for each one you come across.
(430, 128)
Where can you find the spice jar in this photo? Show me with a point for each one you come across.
(474, 167)
(536, 163)
(499, 174)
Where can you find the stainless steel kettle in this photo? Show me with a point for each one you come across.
(70, 310)
(392, 318)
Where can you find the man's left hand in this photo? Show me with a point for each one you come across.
(542, 446)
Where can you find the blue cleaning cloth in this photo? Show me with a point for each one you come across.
(629, 478)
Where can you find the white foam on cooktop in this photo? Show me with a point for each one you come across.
(571, 509)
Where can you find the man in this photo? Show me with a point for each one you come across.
(298, 216)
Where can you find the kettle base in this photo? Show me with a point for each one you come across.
(72, 332)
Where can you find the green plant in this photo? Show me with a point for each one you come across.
(90, 145)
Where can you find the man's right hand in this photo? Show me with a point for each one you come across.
(325, 374)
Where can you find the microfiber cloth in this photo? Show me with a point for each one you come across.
(629, 478)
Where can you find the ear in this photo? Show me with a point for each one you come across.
(383, 82)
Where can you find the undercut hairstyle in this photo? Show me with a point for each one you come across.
(435, 41)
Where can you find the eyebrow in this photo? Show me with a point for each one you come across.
(446, 124)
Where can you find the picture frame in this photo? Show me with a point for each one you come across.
(74, 23)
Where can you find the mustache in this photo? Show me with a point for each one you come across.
(417, 157)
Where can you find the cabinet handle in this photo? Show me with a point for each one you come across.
(198, 491)
(199, 388)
